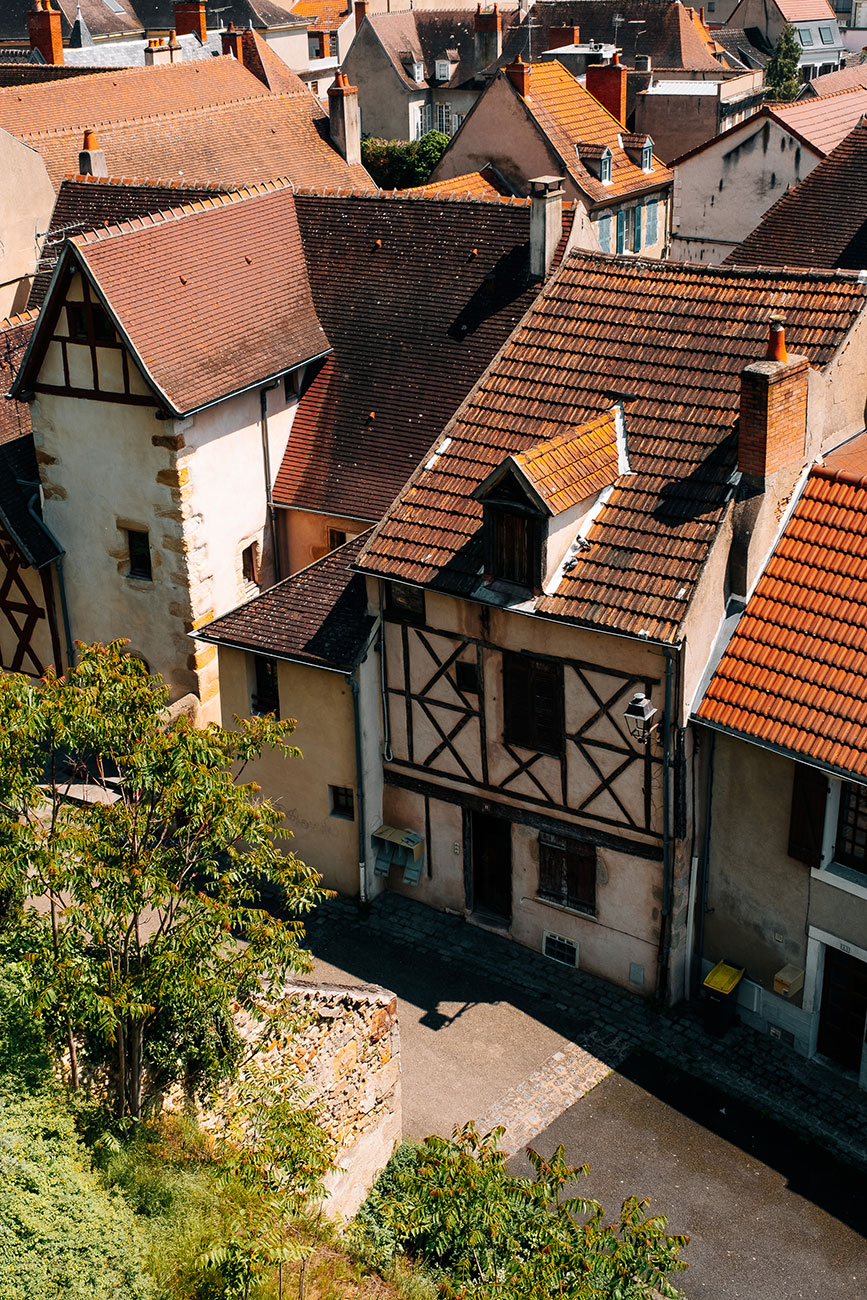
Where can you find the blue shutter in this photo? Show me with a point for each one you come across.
(651, 232)
(621, 231)
(636, 229)
(603, 233)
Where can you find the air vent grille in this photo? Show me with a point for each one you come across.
(559, 949)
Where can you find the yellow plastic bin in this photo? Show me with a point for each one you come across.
(721, 996)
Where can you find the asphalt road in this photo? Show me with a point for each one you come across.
(769, 1217)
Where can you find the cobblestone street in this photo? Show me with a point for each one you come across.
(595, 1025)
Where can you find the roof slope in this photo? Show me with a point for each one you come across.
(674, 336)
(826, 120)
(821, 222)
(209, 121)
(14, 337)
(18, 465)
(318, 615)
(90, 202)
(805, 11)
(484, 184)
(425, 35)
(794, 674)
(830, 82)
(415, 296)
(161, 278)
(569, 116)
(569, 469)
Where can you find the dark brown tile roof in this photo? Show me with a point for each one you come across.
(822, 222)
(14, 336)
(425, 35)
(318, 616)
(416, 296)
(202, 122)
(664, 30)
(794, 675)
(212, 300)
(26, 74)
(676, 338)
(90, 202)
(102, 20)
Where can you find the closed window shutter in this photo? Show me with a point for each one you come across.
(604, 234)
(621, 231)
(651, 232)
(517, 674)
(807, 823)
(636, 230)
(581, 877)
(547, 706)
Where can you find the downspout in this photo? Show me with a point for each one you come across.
(386, 731)
(359, 786)
(667, 846)
(705, 871)
(266, 457)
(64, 607)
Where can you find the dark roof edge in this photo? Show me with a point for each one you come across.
(781, 751)
(311, 662)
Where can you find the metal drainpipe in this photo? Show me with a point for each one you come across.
(667, 863)
(705, 868)
(266, 456)
(359, 785)
(64, 608)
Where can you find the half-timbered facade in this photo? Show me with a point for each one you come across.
(554, 576)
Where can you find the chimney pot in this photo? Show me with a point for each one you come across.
(776, 340)
(91, 159)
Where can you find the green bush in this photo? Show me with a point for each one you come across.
(402, 164)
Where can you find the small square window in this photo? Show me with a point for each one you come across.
(249, 570)
(336, 537)
(342, 801)
(806, 36)
(76, 320)
(827, 35)
(266, 696)
(467, 677)
(405, 604)
(103, 330)
(139, 546)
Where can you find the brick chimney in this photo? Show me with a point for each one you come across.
(157, 52)
(560, 36)
(519, 75)
(606, 82)
(232, 42)
(190, 19)
(91, 159)
(488, 30)
(546, 222)
(43, 27)
(175, 48)
(345, 124)
(773, 414)
(361, 10)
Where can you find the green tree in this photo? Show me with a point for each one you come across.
(402, 164)
(496, 1236)
(143, 860)
(782, 79)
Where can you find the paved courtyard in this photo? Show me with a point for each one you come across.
(737, 1140)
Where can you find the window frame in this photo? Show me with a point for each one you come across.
(525, 679)
(647, 158)
(250, 564)
(605, 168)
(265, 696)
(144, 571)
(341, 799)
(805, 36)
(566, 862)
(830, 38)
(404, 603)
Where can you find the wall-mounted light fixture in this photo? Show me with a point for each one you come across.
(639, 717)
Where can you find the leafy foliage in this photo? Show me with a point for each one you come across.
(148, 885)
(782, 79)
(402, 164)
(454, 1206)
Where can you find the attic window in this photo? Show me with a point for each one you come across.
(85, 317)
(443, 69)
(418, 73)
(805, 36)
(605, 169)
(646, 158)
(827, 35)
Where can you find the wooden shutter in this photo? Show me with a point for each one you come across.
(621, 231)
(517, 726)
(547, 706)
(581, 877)
(651, 230)
(552, 868)
(807, 822)
(636, 229)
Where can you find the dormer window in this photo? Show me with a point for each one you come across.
(646, 158)
(605, 168)
(418, 73)
(443, 70)
(596, 158)
(514, 531)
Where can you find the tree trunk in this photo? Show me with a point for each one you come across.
(73, 1055)
(121, 1070)
(135, 1070)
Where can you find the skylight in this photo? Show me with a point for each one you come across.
(113, 6)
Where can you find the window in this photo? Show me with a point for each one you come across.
(605, 168)
(248, 564)
(418, 73)
(514, 547)
(651, 226)
(603, 233)
(336, 537)
(850, 849)
(423, 118)
(443, 69)
(138, 544)
(567, 873)
(76, 319)
(314, 87)
(805, 36)
(533, 704)
(82, 317)
(405, 604)
(826, 35)
(646, 158)
(467, 677)
(342, 801)
(444, 118)
(266, 696)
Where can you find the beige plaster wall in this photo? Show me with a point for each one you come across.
(304, 536)
(384, 99)
(722, 193)
(26, 589)
(26, 204)
(290, 46)
(499, 132)
(676, 122)
(321, 703)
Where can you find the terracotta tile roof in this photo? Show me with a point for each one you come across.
(805, 11)
(210, 121)
(676, 337)
(824, 121)
(821, 222)
(14, 338)
(89, 202)
(161, 277)
(567, 114)
(416, 296)
(487, 183)
(318, 615)
(568, 469)
(323, 15)
(831, 82)
(794, 674)
(267, 66)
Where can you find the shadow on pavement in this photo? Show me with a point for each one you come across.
(810, 1172)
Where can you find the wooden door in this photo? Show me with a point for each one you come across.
(844, 1009)
(492, 866)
